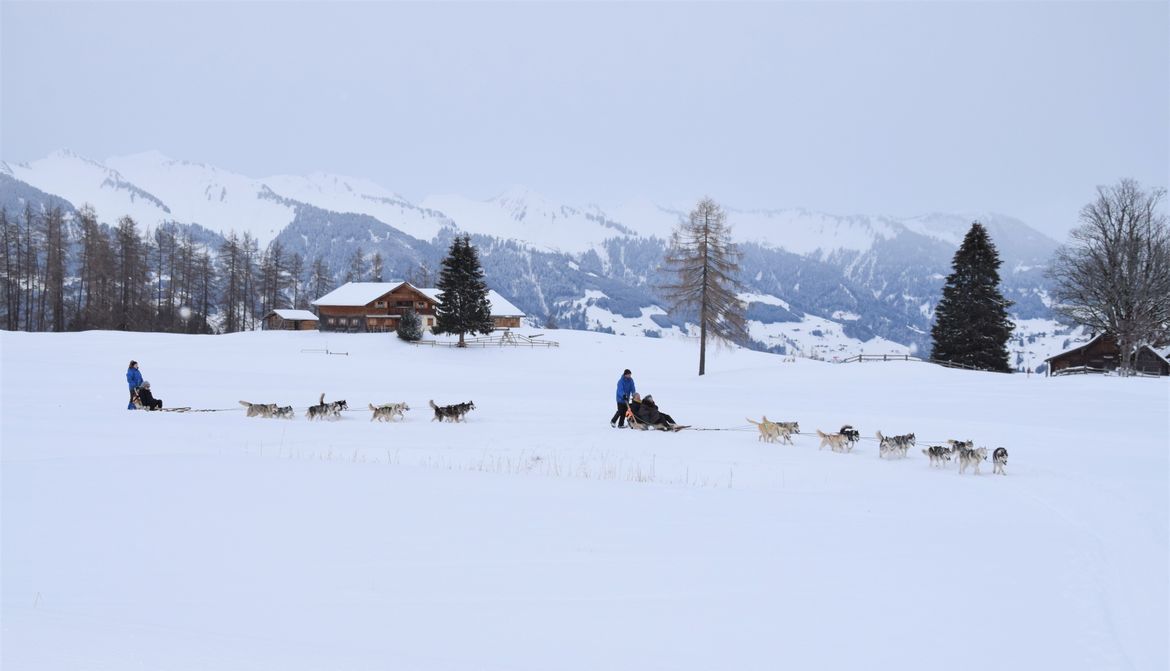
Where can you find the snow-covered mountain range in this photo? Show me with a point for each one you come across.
(817, 283)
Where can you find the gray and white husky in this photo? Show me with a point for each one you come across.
(891, 446)
(999, 461)
(259, 409)
(386, 412)
(971, 456)
(283, 412)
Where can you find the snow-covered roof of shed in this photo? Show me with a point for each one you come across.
(357, 293)
(292, 315)
(500, 306)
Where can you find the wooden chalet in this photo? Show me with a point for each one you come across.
(371, 307)
(290, 320)
(1102, 354)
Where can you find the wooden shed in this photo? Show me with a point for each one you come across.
(1103, 354)
(290, 320)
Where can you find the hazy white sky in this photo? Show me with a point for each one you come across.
(876, 108)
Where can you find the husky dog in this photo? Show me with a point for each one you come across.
(939, 455)
(322, 409)
(958, 444)
(851, 434)
(969, 456)
(452, 413)
(890, 446)
(769, 431)
(837, 441)
(999, 461)
(285, 412)
(388, 411)
(259, 409)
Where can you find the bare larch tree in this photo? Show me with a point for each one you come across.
(1114, 277)
(704, 261)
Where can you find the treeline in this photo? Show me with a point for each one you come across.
(68, 272)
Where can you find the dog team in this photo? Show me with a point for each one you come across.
(889, 447)
(385, 412)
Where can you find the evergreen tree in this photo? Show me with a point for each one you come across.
(410, 326)
(971, 325)
(704, 261)
(463, 295)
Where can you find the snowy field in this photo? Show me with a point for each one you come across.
(536, 537)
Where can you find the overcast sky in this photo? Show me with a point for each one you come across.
(875, 108)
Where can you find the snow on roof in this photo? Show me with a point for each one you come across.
(363, 293)
(500, 306)
(357, 293)
(291, 315)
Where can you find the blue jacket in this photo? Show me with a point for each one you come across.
(133, 378)
(625, 389)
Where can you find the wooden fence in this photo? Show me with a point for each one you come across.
(860, 358)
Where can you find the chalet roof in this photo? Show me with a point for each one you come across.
(353, 294)
(295, 315)
(1077, 348)
(356, 294)
(1163, 352)
(500, 306)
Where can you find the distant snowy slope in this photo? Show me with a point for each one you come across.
(206, 195)
(82, 181)
(360, 196)
(525, 216)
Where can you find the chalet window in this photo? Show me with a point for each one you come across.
(420, 305)
(404, 304)
(379, 304)
(430, 321)
(332, 320)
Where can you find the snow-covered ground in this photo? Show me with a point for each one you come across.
(534, 536)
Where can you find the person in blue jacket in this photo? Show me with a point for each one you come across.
(134, 379)
(625, 390)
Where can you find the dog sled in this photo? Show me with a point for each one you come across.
(633, 422)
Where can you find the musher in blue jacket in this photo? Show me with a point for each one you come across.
(134, 379)
(625, 390)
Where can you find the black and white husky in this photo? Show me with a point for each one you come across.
(999, 461)
(939, 455)
(386, 412)
(452, 413)
(283, 412)
(851, 434)
(322, 410)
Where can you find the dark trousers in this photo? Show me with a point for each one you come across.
(620, 415)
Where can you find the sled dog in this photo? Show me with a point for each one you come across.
(890, 446)
(770, 432)
(259, 409)
(999, 461)
(971, 456)
(851, 434)
(452, 413)
(388, 411)
(322, 410)
(939, 455)
(284, 412)
(837, 441)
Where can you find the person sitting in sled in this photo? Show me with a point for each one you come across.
(646, 411)
(147, 399)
